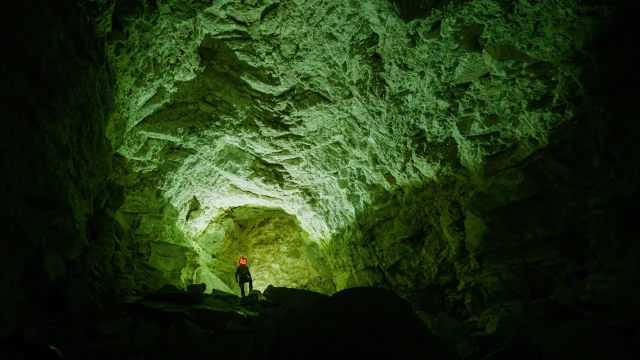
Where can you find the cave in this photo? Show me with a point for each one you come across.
(279, 251)
(451, 178)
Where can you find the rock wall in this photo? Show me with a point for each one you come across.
(536, 254)
(58, 234)
(324, 107)
(458, 152)
(280, 253)
(478, 157)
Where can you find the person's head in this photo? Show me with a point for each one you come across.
(242, 261)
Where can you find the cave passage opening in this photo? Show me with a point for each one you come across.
(279, 251)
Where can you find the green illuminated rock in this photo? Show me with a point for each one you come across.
(339, 113)
(476, 156)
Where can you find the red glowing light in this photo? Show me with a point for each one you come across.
(243, 261)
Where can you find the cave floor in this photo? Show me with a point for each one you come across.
(286, 323)
(172, 324)
(282, 323)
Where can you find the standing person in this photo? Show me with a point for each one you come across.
(243, 275)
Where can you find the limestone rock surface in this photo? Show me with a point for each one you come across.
(449, 150)
(324, 108)
(477, 157)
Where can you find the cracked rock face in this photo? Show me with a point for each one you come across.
(477, 157)
(324, 108)
(411, 145)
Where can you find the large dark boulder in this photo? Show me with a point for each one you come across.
(199, 288)
(293, 298)
(359, 323)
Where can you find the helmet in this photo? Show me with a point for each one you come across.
(243, 260)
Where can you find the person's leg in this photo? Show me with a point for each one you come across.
(250, 284)
(241, 288)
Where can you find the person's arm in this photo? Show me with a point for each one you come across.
(237, 269)
(248, 272)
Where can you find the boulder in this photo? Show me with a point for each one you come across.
(168, 289)
(200, 288)
(293, 298)
(359, 322)
(213, 282)
(254, 296)
(168, 293)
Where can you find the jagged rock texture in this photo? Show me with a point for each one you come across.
(477, 157)
(323, 108)
(426, 154)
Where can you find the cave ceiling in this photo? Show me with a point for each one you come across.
(327, 108)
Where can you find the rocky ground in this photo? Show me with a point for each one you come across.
(282, 323)
(285, 323)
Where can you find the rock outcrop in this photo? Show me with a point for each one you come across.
(359, 322)
(172, 323)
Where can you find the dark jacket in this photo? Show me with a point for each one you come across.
(243, 274)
